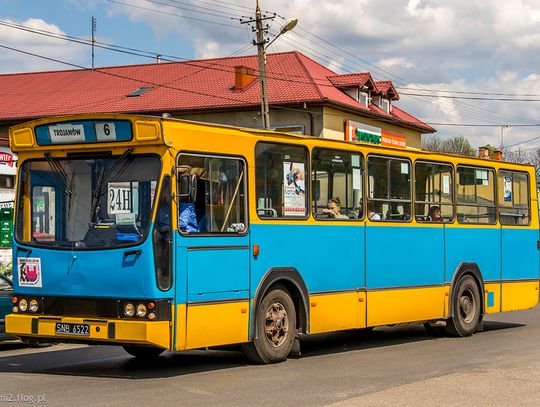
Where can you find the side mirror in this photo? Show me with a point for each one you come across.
(187, 187)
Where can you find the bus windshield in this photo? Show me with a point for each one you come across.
(85, 203)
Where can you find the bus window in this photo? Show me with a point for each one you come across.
(433, 186)
(475, 195)
(337, 174)
(280, 177)
(220, 202)
(161, 237)
(513, 198)
(87, 203)
(389, 189)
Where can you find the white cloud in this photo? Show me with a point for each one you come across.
(395, 62)
(24, 43)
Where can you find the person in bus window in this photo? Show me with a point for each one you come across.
(434, 214)
(333, 209)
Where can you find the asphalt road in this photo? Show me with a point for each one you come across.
(389, 366)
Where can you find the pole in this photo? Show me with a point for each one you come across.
(93, 38)
(265, 114)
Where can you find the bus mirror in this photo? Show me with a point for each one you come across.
(316, 190)
(187, 187)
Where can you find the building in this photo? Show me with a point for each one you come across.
(305, 97)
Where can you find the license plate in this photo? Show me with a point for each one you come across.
(64, 328)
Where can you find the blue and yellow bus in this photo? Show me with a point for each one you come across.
(161, 234)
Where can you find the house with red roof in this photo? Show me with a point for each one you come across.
(305, 97)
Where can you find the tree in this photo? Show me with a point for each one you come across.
(456, 145)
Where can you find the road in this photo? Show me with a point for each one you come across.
(389, 366)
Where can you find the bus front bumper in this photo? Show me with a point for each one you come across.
(87, 330)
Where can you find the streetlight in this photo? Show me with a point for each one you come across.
(261, 48)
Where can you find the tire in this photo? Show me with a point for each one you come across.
(143, 352)
(466, 306)
(275, 323)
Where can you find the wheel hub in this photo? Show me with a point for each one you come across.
(277, 324)
(467, 306)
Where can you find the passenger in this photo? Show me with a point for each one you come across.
(434, 214)
(333, 209)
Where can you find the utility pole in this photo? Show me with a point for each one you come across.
(265, 112)
(260, 42)
(93, 38)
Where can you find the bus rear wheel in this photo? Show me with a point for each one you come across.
(143, 352)
(467, 308)
(275, 326)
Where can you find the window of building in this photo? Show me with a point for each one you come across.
(513, 198)
(358, 95)
(389, 189)
(385, 105)
(475, 195)
(218, 201)
(433, 186)
(280, 176)
(337, 176)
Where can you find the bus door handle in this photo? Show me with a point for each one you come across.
(132, 253)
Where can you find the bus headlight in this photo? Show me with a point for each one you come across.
(23, 305)
(129, 309)
(141, 310)
(33, 305)
(151, 316)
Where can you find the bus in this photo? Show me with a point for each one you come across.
(157, 234)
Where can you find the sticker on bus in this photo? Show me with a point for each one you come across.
(29, 272)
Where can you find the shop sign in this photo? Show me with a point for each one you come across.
(362, 133)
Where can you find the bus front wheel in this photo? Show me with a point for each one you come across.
(143, 352)
(276, 328)
(466, 305)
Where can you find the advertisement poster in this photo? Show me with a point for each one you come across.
(294, 189)
(507, 189)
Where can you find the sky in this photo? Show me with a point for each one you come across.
(469, 68)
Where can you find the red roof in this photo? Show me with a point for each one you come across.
(191, 86)
(387, 89)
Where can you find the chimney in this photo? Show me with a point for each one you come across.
(243, 77)
(483, 153)
(498, 155)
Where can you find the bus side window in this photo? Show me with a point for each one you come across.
(433, 188)
(220, 202)
(476, 195)
(337, 175)
(513, 197)
(281, 179)
(389, 189)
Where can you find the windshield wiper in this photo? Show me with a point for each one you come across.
(97, 191)
(62, 175)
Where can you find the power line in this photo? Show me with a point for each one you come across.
(174, 14)
(469, 97)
